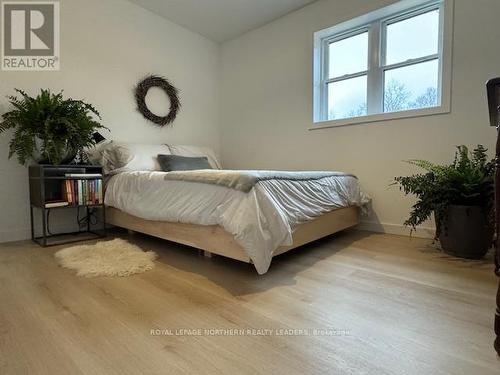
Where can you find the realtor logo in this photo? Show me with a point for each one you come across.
(30, 35)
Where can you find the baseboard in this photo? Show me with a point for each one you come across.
(401, 230)
(15, 235)
(23, 234)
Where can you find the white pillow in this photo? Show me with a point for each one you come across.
(95, 153)
(118, 157)
(195, 151)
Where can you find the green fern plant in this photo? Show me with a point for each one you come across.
(49, 125)
(467, 181)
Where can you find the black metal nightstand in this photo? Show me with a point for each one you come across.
(64, 187)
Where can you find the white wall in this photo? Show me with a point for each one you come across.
(267, 105)
(106, 48)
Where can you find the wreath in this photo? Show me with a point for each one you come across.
(141, 91)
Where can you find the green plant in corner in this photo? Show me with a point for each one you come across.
(49, 127)
(468, 181)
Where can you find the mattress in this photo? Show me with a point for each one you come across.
(260, 220)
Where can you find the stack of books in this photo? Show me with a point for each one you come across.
(83, 192)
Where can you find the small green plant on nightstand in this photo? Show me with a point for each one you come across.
(48, 128)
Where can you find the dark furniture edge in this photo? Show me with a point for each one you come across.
(497, 242)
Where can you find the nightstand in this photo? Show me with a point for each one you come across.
(57, 188)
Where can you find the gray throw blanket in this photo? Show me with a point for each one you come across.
(245, 180)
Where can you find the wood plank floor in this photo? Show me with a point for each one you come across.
(397, 306)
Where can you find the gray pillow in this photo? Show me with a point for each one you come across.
(170, 163)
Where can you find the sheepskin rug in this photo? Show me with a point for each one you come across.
(106, 258)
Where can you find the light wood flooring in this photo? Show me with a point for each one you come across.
(399, 307)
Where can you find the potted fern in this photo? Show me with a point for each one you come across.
(461, 196)
(48, 128)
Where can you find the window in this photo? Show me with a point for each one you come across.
(390, 63)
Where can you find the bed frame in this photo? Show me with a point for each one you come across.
(213, 239)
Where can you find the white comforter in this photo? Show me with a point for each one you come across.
(260, 220)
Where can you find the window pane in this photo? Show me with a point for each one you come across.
(411, 87)
(347, 98)
(349, 55)
(412, 38)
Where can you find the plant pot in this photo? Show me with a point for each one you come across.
(466, 232)
(68, 158)
(40, 158)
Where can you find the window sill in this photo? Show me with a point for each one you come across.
(380, 117)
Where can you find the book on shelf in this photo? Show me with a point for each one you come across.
(83, 192)
(54, 204)
(80, 192)
(83, 175)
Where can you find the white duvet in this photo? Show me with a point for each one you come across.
(261, 220)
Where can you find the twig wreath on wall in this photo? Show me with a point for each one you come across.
(141, 91)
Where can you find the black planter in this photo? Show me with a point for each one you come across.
(466, 232)
(40, 158)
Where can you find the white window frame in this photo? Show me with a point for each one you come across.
(375, 23)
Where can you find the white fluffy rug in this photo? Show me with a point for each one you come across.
(106, 258)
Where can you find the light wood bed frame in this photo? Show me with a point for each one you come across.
(213, 239)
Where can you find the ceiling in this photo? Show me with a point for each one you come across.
(221, 20)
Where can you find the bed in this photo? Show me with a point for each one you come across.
(251, 224)
(250, 216)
